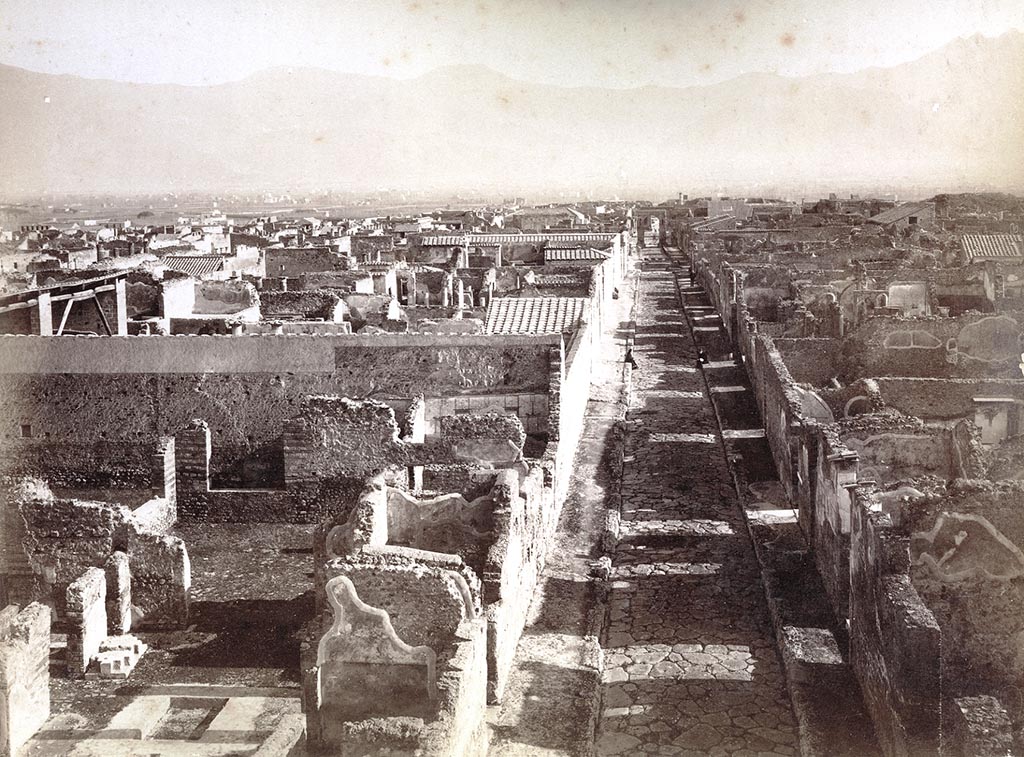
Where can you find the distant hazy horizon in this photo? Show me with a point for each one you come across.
(633, 98)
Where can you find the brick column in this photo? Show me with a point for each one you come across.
(192, 469)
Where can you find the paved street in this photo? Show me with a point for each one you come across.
(691, 666)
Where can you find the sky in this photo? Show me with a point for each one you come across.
(603, 43)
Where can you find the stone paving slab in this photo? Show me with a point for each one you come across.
(690, 662)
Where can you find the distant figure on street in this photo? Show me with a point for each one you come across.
(693, 277)
(630, 359)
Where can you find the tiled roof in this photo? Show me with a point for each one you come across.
(558, 280)
(195, 265)
(573, 253)
(900, 212)
(534, 315)
(993, 246)
(481, 240)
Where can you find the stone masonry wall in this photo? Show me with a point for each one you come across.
(967, 552)
(64, 537)
(525, 519)
(97, 409)
(86, 614)
(330, 449)
(895, 642)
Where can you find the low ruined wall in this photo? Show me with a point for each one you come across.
(330, 449)
(423, 602)
(86, 618)
(64, 538)
(24, 674)
(461, 726)
(525, 520)
(431, 618)
(979, 726)
(833, 501)
(895, 644)
(530, 408)
(944, 399)
(780, 405)
(901, 449)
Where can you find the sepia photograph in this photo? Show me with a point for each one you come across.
(521, 378)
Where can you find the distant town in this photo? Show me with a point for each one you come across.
(357, 268)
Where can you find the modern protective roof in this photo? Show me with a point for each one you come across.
(992, 246)
(534, 315)
(482, 240)
(561, 254)
(900, 212)
(194, 265)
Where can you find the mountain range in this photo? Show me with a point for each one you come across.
(952, 118)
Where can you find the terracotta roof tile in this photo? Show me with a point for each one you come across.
(195, 265)
(534, 315)
(556, 255)
(482, 240)
(992, 246)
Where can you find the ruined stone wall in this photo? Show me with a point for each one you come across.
(780, 405)
(330, 449)
(85, 611)
(24, 674)
(226, 298)
(293, 262)
(461, 726)
(978, 726)
(944, 399)
(967, 563)
(810, 361)
(525, 515)
(891, 449)
(106, 403)
(836, 474)
(63, 538)
(308, 501)
(433, 618)
(530, 408)
(895, 644)
(322, 304)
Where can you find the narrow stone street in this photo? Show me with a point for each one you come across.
(691, 666)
